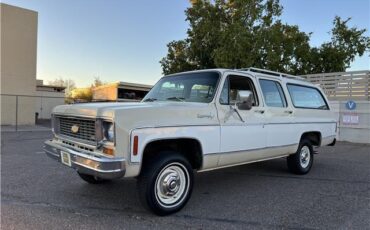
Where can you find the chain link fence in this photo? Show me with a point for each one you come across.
(27, 112)
(22, 111)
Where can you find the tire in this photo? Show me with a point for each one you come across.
(301, 162)
(92, 179)
(165, 183)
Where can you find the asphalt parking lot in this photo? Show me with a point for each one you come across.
(38, 193)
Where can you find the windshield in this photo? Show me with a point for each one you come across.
(188, 87)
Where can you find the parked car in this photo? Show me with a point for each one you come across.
(193, 122)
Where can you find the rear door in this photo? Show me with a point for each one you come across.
(279, 126)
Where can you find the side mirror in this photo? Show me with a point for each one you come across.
(244, 100)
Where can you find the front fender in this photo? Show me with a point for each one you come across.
(208, 136)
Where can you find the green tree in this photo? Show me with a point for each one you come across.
(243, 33)
(81, 94)
(73, 93)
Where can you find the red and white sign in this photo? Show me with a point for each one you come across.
(350, 119)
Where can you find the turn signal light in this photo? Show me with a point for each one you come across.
(135, 145)
(108, 151)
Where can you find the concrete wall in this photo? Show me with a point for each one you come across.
(18, 63)
(46, 103)
(353, 131)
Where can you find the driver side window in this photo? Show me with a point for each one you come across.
(232, 85)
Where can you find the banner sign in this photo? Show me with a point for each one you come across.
(350, 119)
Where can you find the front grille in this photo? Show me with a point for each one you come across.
(78, 146)
(86, 128)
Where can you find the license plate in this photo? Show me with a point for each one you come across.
(66, 158)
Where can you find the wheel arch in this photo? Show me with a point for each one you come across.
(189, 147)
(314, 137)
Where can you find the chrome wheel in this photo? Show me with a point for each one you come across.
(305, 156)
(172, 185)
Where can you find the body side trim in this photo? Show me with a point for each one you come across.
(243, 163)
(247, 150)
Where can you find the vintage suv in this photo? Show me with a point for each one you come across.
(193, 121)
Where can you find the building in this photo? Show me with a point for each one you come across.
(47, 97)
(18, 64)
(23, 98)
(120, 91)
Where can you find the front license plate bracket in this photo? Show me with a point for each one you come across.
(65, 158)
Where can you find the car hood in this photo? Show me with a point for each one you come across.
(101, 110)
(145, 114)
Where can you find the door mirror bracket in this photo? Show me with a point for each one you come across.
(243, 102)
(235, 109)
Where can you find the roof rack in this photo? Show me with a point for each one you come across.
(269, 72)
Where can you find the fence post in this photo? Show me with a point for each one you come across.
(368, 86)
(16, 113)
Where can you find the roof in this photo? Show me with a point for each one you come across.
(121, 84)
(51, 86)
(40, 83)
(256, 72)
(17, 7)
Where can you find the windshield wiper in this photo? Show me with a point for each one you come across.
(176, 98)
(150, 99)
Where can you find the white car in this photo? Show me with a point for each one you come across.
(194, 121)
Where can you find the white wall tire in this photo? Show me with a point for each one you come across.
(301, 162)
(304, 156)
(166, 183)
(172, 184)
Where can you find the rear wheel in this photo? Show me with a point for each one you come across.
(301, 162)
(92, 179)
(165, 183)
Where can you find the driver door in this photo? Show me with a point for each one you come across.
(244, 136)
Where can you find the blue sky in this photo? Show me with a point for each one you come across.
(125, 40)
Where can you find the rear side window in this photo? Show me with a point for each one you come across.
(273, 93)
(306, 97)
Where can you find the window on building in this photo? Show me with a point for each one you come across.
(131, 94)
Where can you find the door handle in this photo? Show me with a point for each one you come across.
(288, 111)
(260, 111)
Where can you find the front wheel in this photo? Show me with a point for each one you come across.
(165, 183)
(301, 162)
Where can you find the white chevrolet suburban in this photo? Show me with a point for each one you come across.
(193, 121)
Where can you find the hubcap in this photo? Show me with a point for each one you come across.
(305, 156)
(171, 185)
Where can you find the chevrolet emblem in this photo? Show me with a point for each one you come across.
(75, 128)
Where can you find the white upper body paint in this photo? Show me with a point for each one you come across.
(263, 132)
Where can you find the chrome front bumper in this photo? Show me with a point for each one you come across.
(102, 167)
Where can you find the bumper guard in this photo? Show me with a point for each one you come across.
(102, 167)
